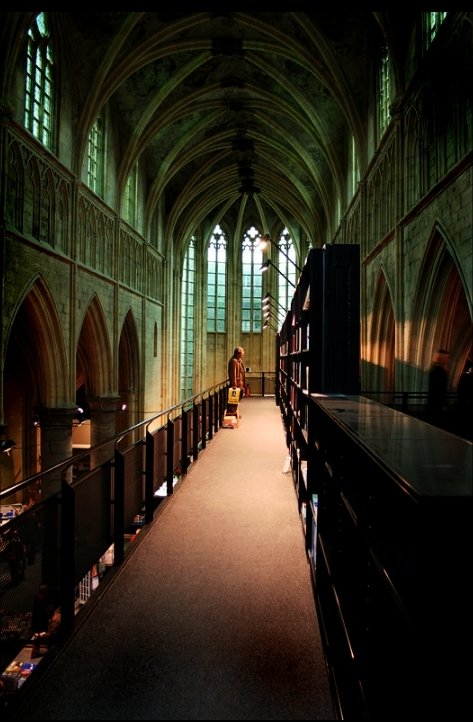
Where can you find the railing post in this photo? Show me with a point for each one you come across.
(195, 431)
(149, 477)
(204, 423)
(118, 509)
(211, 417)
(170, 457)
(184, 439)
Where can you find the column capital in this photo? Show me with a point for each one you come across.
(55, 416)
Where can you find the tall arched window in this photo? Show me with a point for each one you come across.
(432, 23)
(216, 282)
(96, 157)
(354, 174)
(287, 265)
(131, 197)
(187, 321)
(384, 98)
(39, 91)
(252, 283)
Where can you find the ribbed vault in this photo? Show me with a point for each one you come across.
(221, 107)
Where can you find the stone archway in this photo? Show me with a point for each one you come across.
(35, 377)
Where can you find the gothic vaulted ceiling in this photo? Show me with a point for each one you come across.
(230, 114)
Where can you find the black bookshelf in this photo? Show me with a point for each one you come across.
(385, 506)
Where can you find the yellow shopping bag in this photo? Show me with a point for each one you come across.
(233, 396)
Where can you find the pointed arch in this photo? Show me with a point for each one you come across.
(31, 197)
(35, 373)
(128, 356)
(440, 313)
(382, 337)
(14, 184)
(36, 332)
(94, 357)
(61, 223)
(129, 381)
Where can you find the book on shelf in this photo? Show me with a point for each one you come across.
(303, 468)
(314, 503)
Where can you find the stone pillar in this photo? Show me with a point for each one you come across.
(103, 426)
(56, 445)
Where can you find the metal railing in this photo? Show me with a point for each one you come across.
(78, 519)
(261, 383)
(84, 516)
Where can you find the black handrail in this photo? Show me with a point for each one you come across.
(64, 465)
(79, 521)
(82, 518)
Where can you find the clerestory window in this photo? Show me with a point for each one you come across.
(39, 90)
(384, 98)
(432, 23)
(131, 197)
(96, 157)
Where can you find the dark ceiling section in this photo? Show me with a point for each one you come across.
(235, 114)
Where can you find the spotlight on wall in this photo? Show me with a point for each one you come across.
(268, 298)
(80, 414)
(269, 312)
(267, 304)
(6, 445)
(269, 263)
(263, 242)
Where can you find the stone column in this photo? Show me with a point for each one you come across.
(103, 426)
(56, 445)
